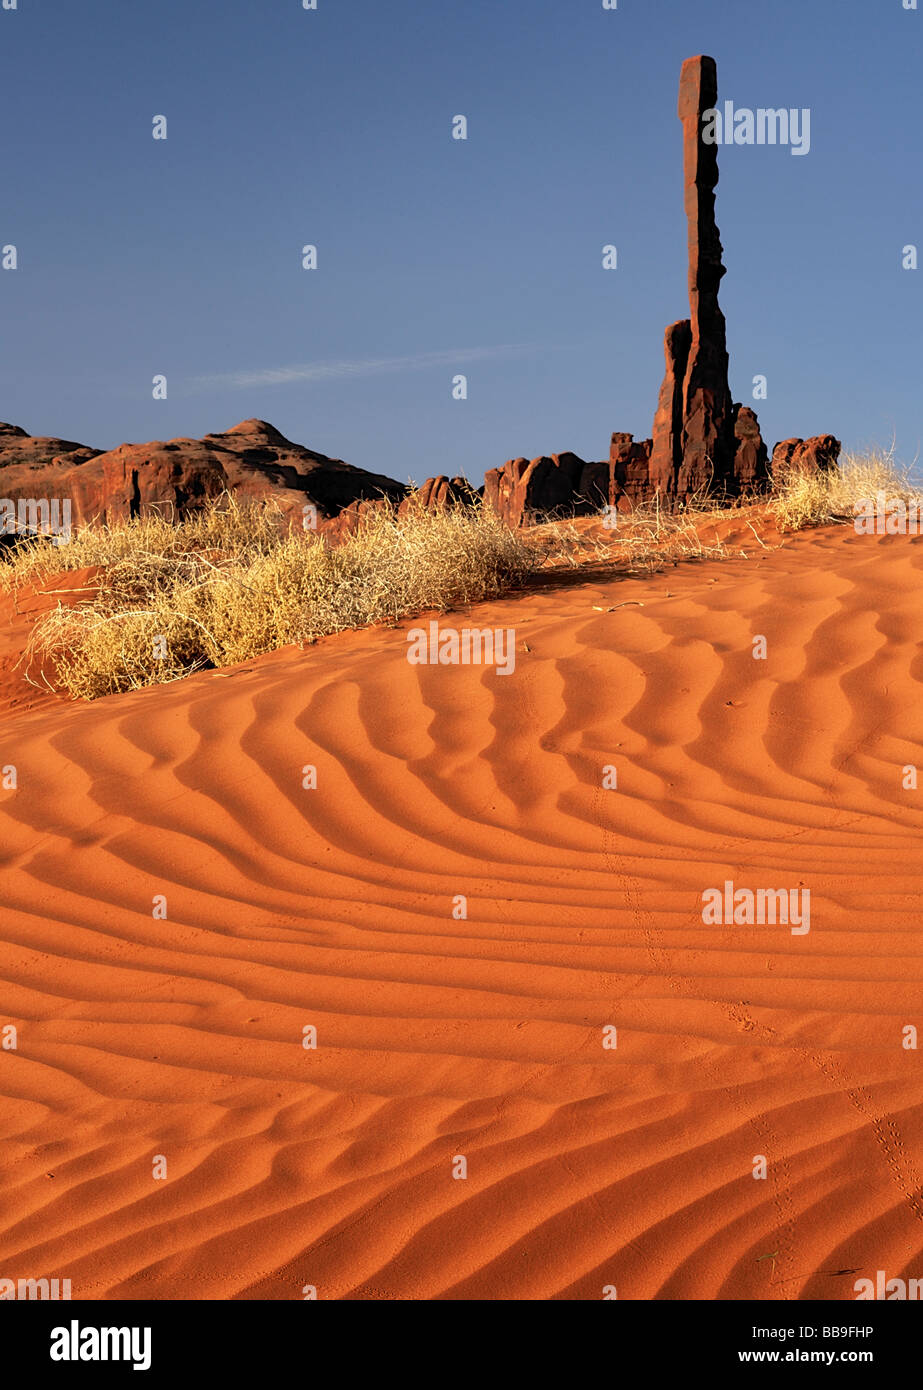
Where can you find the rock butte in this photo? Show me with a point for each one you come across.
(252, 460)
(700, 438)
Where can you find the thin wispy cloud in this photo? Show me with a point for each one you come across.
(340, 370)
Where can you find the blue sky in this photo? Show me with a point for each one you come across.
(438, 256)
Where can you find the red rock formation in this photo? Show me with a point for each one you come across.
(33, 466)
(668, 443)
(252, 460)
(701, 440)
(751, 458)
(442, 492)
(818, 454)
(708, 449)
(499, 485)
(18, 449)
(523, 491)
(630, 471)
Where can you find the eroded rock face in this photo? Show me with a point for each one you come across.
(21, 450)
(751, 457)
(818, 454)
(39, 466)
(252, 460)
(499, 486)
(669, 421)
(525, 490)
(629, 470)
(443, 492)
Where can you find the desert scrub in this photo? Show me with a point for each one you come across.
(813, 499)
(232, 582)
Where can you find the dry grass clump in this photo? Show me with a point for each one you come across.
(133, 551)
(814, 499)
(642, 539)
(654, 536)
(231, 583)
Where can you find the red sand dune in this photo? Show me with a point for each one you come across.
(482, 1037)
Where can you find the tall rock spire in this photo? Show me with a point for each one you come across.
(694, 426)
(708, 429)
